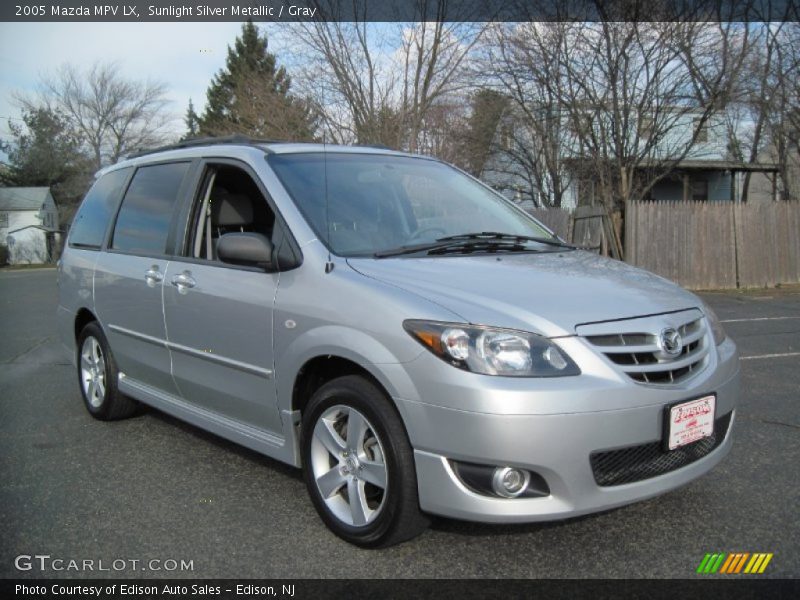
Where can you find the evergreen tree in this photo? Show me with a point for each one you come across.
(251, 94)
(487, 109)
(192, 121)
(44, 152)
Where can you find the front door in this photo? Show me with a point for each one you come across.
(219, 316)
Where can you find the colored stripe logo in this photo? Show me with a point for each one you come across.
(734, 563)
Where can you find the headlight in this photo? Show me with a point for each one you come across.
(716, 327)
(493, 351)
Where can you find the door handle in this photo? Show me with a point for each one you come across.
(153, 276)
(183, 282)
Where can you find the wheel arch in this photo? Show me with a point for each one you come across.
(82, 318)
(325, 353)
(321, 369)
(320, 354)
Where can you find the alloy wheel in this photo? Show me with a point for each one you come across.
(348, 465)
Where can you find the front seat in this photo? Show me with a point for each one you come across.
(229, 212)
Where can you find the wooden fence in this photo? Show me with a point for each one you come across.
(715, 245)
(560, 221)
(585, 226)
(700, 245)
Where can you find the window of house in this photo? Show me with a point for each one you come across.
(699, 189)
(146, 213)
(645, 126)
(89, 226)
(582, 124)
(229, 202)
(586, 191)
(506, 137)
(701, 127)
(3, 219)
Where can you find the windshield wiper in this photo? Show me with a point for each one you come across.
(411, 249)
(486, 241)
(469, 246)
(494, 235)
(464, 246)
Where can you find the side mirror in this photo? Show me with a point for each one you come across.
(251, 249)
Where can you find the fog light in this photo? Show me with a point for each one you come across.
(488, 480)
(509, 482)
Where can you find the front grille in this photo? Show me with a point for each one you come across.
(640, 357)
(635, 463)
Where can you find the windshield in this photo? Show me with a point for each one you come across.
(377, 203)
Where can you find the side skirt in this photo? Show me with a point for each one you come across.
(263, 442)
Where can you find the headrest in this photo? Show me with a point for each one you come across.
(231, 210)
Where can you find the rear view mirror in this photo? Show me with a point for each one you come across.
(252, 249)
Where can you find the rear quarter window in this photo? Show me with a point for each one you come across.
(146, 213)
(90, 223)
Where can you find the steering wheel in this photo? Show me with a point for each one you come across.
(420, 232)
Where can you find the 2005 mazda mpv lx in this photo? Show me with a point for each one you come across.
(418, 344)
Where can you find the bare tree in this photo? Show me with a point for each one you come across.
(113, 116)
(444, 132)
(382, 83)
(532, 138)
(609, 99)
(633, 88)
(433, 57)
(614, 93)
(340, 69)
(763, 115)
(789, 157)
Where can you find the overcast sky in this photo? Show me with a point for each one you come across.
(185, 56)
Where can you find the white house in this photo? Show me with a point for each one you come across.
(29, 227)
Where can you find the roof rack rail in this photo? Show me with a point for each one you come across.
(208, 141)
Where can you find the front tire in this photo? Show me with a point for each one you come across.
(98, 375)
(358, 465)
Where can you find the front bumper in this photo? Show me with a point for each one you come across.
(558, 447)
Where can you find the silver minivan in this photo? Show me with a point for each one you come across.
(415, 342)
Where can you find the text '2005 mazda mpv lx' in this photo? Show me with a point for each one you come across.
(412, 340)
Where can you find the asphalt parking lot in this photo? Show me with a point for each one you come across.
(154, 488)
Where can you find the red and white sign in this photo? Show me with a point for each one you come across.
(691, 421)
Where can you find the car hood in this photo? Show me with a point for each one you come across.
(549, 293)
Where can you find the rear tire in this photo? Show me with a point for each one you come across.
(98, 375)
(358, 465)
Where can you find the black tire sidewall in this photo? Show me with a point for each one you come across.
(361, 395)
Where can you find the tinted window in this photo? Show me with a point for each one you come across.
(89, 225)
(144, 219)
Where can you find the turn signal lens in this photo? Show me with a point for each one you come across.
(716, 327)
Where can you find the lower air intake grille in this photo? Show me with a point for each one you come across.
(636, 463)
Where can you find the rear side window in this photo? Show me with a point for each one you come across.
(90, 224)
(144, 219)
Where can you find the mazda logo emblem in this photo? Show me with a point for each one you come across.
(670, 342)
